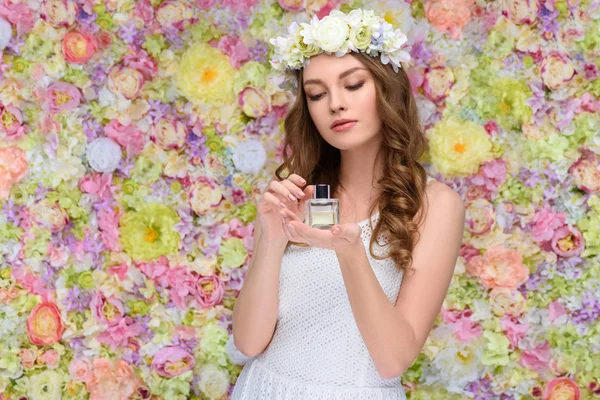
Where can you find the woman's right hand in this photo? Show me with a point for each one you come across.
(286, 193)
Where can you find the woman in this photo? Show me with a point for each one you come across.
(321, 313)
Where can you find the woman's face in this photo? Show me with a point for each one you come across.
(342, 88)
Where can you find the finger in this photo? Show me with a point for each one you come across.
(281, 190)
(289, 214)
(297, 179)
(285, 229)
(272, 199)
(295, 190)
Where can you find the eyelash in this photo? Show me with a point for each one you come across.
(354, 87)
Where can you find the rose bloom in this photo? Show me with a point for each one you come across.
(59, 13)
(125, 81)
(44, 325)
(506, 301)
(586, 173)
(50, 358)
(449, 15)
(13, 167)
(499, 268)
(174, 13)
(27, 357)
(562, 389)
(557, 70)
(437, 83)
(80, 369)
(11, 123)
(567, 241)
(521, 11)
(62, 96)
(79, 47)
(113, 380)
(107, 310)
(172, 361)
(169, 133)
(210, 291)
(480, 216)
(47, 215)
(204, 195)
(254, 102)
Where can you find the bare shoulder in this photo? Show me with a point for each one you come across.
(441, 198)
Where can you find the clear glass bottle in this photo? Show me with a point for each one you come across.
(323, 211)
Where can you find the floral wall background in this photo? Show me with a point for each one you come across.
(136, 135)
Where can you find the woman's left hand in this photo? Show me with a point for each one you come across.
(339, 237)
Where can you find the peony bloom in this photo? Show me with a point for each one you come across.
(499, 268)
(107, 310)
(557, 70)
(437, 83)
(62, 96)
(521, 11)
(254, 102)
(11, 123)
(113, 380)
(80, 369)
(48, 215)
(567, 241)
(562, 389)
(59, 13)
(205, 76)
(204, 195)
(172, 361)
(169, 133)
(449, 16)
(480, 216)
(459, 147)
(586, 172)
(174, 13)
(209, 291)
(292, 5)
(44, 325)
(506, 301)
(79, 47)
(125, 81)
(149, 233)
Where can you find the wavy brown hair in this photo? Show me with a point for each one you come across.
(401, 188)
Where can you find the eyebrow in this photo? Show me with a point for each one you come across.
(342, 75)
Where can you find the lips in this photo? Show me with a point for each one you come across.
(341, 122)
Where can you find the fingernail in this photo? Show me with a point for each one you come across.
(302, 181)
(281, 204)
(301, 194)
(292, 197)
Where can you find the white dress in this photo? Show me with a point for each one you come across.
(317, 351)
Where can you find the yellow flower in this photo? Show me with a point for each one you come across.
(205, 76)
(458, 147)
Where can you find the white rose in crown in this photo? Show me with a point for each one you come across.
(104, 155)
(331, 34)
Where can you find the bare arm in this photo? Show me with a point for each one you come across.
(256, 308)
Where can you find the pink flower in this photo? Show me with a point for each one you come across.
(437, 83)
(467, 330)
(545, 222)
(210, 291)
(491, 175)
(235, 48)
(556, 310)
(515, 330)
(292, 5)
(538, 358)
(586, 172)
(254, 102)
(241, 6)
(11, 123)
(450, 316)
(18, 14)
(567, 241)
(127, 136)
(62, 96)
(499, 268)
(98, 184)
(183, 284)
(80, 369)
(557, 70)
(107, 310)
(156, 270)
(119, 335)
(562, 389)
(145, 11)
(44, 324)
(50, 358)
(140, 60)
(449, 15)
(113, 380)
(108, 222)
(119, 270)
(522, 11)
(59, 13)
(79, 47)
(27, 357)
(172, 361)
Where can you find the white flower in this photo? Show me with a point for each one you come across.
(213, 381)
(5, 33)
(249, 156)
(331, 34)
(104, 155)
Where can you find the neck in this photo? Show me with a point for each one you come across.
(359, 174)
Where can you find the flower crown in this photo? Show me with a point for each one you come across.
(339, 33)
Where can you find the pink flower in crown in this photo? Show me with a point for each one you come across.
(449, 16)
(11, 123)
(545, 222)
(209, 291)
(107, 310)
(172, 361)
(562, 389)
(62, 96)
(79, 47)
(113, 380)
(128, 136)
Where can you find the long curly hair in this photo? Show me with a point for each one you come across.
(401, 187)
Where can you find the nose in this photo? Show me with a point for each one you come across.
(337, 101)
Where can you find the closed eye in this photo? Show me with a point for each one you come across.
(351, 88)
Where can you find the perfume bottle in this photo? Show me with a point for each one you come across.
(323, 211)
